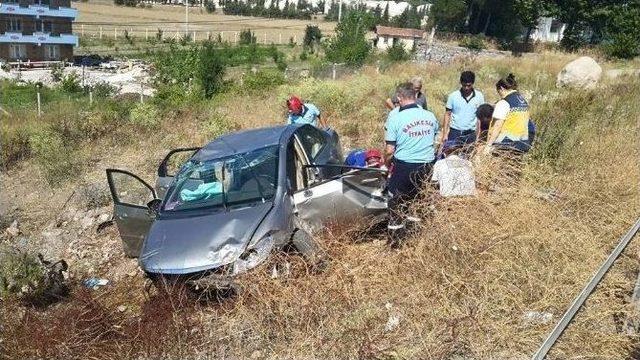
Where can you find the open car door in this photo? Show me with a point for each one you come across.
(170, 166)
(130, 211)
(355, 193)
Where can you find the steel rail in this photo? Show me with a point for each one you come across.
(579, 301)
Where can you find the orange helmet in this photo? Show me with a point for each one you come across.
(294, 104)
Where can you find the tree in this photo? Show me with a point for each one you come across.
(448, 15)
(622, 32)
(349, 44)
(530, 11)
(247, 37)
(312, 36)
(385, 15)
(211, 70)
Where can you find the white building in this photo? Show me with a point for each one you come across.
(387, 36)
(548, 30)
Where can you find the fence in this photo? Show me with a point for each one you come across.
(268, 36)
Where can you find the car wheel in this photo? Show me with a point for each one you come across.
(309, 249)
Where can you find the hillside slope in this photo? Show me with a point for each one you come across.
(461, 288)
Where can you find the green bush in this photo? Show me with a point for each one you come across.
(623, 46)
(17, 271)
(397, 53)
(14, 145)
(264, 79)
(473, 43)
(182, 74)
(71, 84)
(144, 115)
(57, 72)
(56, 160)
(312, 36)
(247, 37)
(103, 89)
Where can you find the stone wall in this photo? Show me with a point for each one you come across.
(445, 53)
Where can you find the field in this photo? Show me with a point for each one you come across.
(140, 22)
(464, 287)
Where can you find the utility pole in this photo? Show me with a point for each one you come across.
(340, 11)
(186, 17)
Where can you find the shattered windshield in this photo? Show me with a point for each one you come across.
(237, 179)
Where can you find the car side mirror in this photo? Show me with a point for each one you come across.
(154, 206)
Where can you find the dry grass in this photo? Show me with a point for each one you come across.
(464, 281)
(170, 18)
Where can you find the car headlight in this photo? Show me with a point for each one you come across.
(253, 255)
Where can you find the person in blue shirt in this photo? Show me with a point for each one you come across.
(460, 123)
(410, 144)
(303, 113)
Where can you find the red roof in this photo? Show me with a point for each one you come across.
(399, 32)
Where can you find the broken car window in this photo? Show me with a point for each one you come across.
(232, 180)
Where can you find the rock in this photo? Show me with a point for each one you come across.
(122, 308)
(86, 222)
(256, 354)
(13, 229)
(102, 218)
(582, 73)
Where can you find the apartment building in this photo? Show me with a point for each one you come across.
(37, 30)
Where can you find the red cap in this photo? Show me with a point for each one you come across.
(294, 104)
(373, 154)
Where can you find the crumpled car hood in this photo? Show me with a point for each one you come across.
(191, 244)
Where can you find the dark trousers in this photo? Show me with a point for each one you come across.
(404, 186)
(462, 137)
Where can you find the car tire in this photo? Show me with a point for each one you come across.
(309, 249)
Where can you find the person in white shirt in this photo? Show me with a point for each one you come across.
(454, 174)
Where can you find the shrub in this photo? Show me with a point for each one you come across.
(263, 80)
(623, 46)
(57, 72)
(397, 53)
(144, 115)
(202, 67)
(185, 39)
(57, 161)
(17, 271)
(278, 58)
(312, 36)
(14, 145)
(100, 121)
(473, 43)
(128, 37)
(103, 89)
(247, 37)
(71, 83)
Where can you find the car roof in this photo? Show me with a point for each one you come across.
(243, 141)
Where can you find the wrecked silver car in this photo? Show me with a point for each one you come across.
(238, 199)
